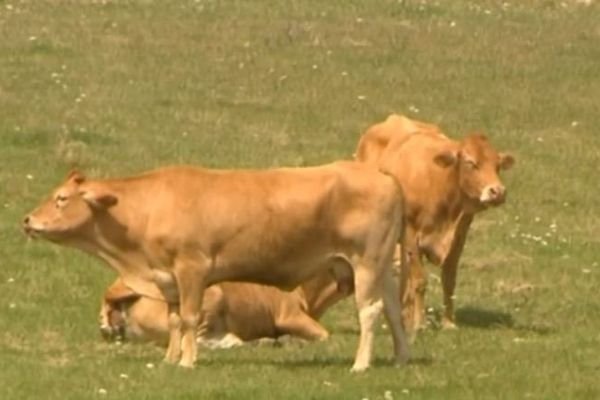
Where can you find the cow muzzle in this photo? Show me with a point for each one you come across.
(112, 333)
(30, 228)
(493, 195)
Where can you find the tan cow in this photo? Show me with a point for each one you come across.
(232, 313)
(172, 232)
(445, 183)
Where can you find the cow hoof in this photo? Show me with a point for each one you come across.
(170, 359)
(449, 325)
(403, 359)
(357, 368)
(186, 364)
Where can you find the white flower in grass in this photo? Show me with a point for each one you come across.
(102, 391)
(361, 97)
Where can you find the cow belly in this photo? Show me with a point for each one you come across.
(285, 275)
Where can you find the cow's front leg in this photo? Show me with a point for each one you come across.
(392, 309)
(449, 270)
(190, 278)
(413, 285)
(448, 284)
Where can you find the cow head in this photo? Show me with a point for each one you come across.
(116, 302)
(69, 209)
(112, 321)
(478, 165)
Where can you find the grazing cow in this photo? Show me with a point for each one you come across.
(445, 183)
(231, 313)
(172, 232)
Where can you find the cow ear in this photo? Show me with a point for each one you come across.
(76, 176)
(118, 292)
(506, 161)
(99, 197)
(446, 158)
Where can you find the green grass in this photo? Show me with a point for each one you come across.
(117, 87)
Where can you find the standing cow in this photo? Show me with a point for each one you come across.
(445, 183)
(172, 232)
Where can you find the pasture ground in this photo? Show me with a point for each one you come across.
(117, 87)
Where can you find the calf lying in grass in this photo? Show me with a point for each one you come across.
(232, 313)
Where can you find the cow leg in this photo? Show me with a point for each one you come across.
(449, 270)
(448, 284)
(413, 285)
(392, 309)
(174, 348)
(369, 302)
(190, 281)
(302, 326)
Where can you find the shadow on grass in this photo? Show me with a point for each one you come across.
(485, 319)
(316, 362)
(490, 319)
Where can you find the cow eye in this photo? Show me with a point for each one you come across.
(472, 164)
(60, 200)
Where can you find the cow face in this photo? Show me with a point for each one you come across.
(70, 208)
(478, 165)
(112, 321)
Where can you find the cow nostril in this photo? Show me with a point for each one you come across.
(26, 221)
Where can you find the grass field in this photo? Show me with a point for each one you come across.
(117, 87)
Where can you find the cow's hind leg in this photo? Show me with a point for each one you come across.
(190, 278)
(302, 326)
(174, 348)
(369, 302)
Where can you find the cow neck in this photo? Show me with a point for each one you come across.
(116, 233)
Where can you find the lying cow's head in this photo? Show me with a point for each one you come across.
(112, 320)
(116, 303)
(69, 209)
(478, 165)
